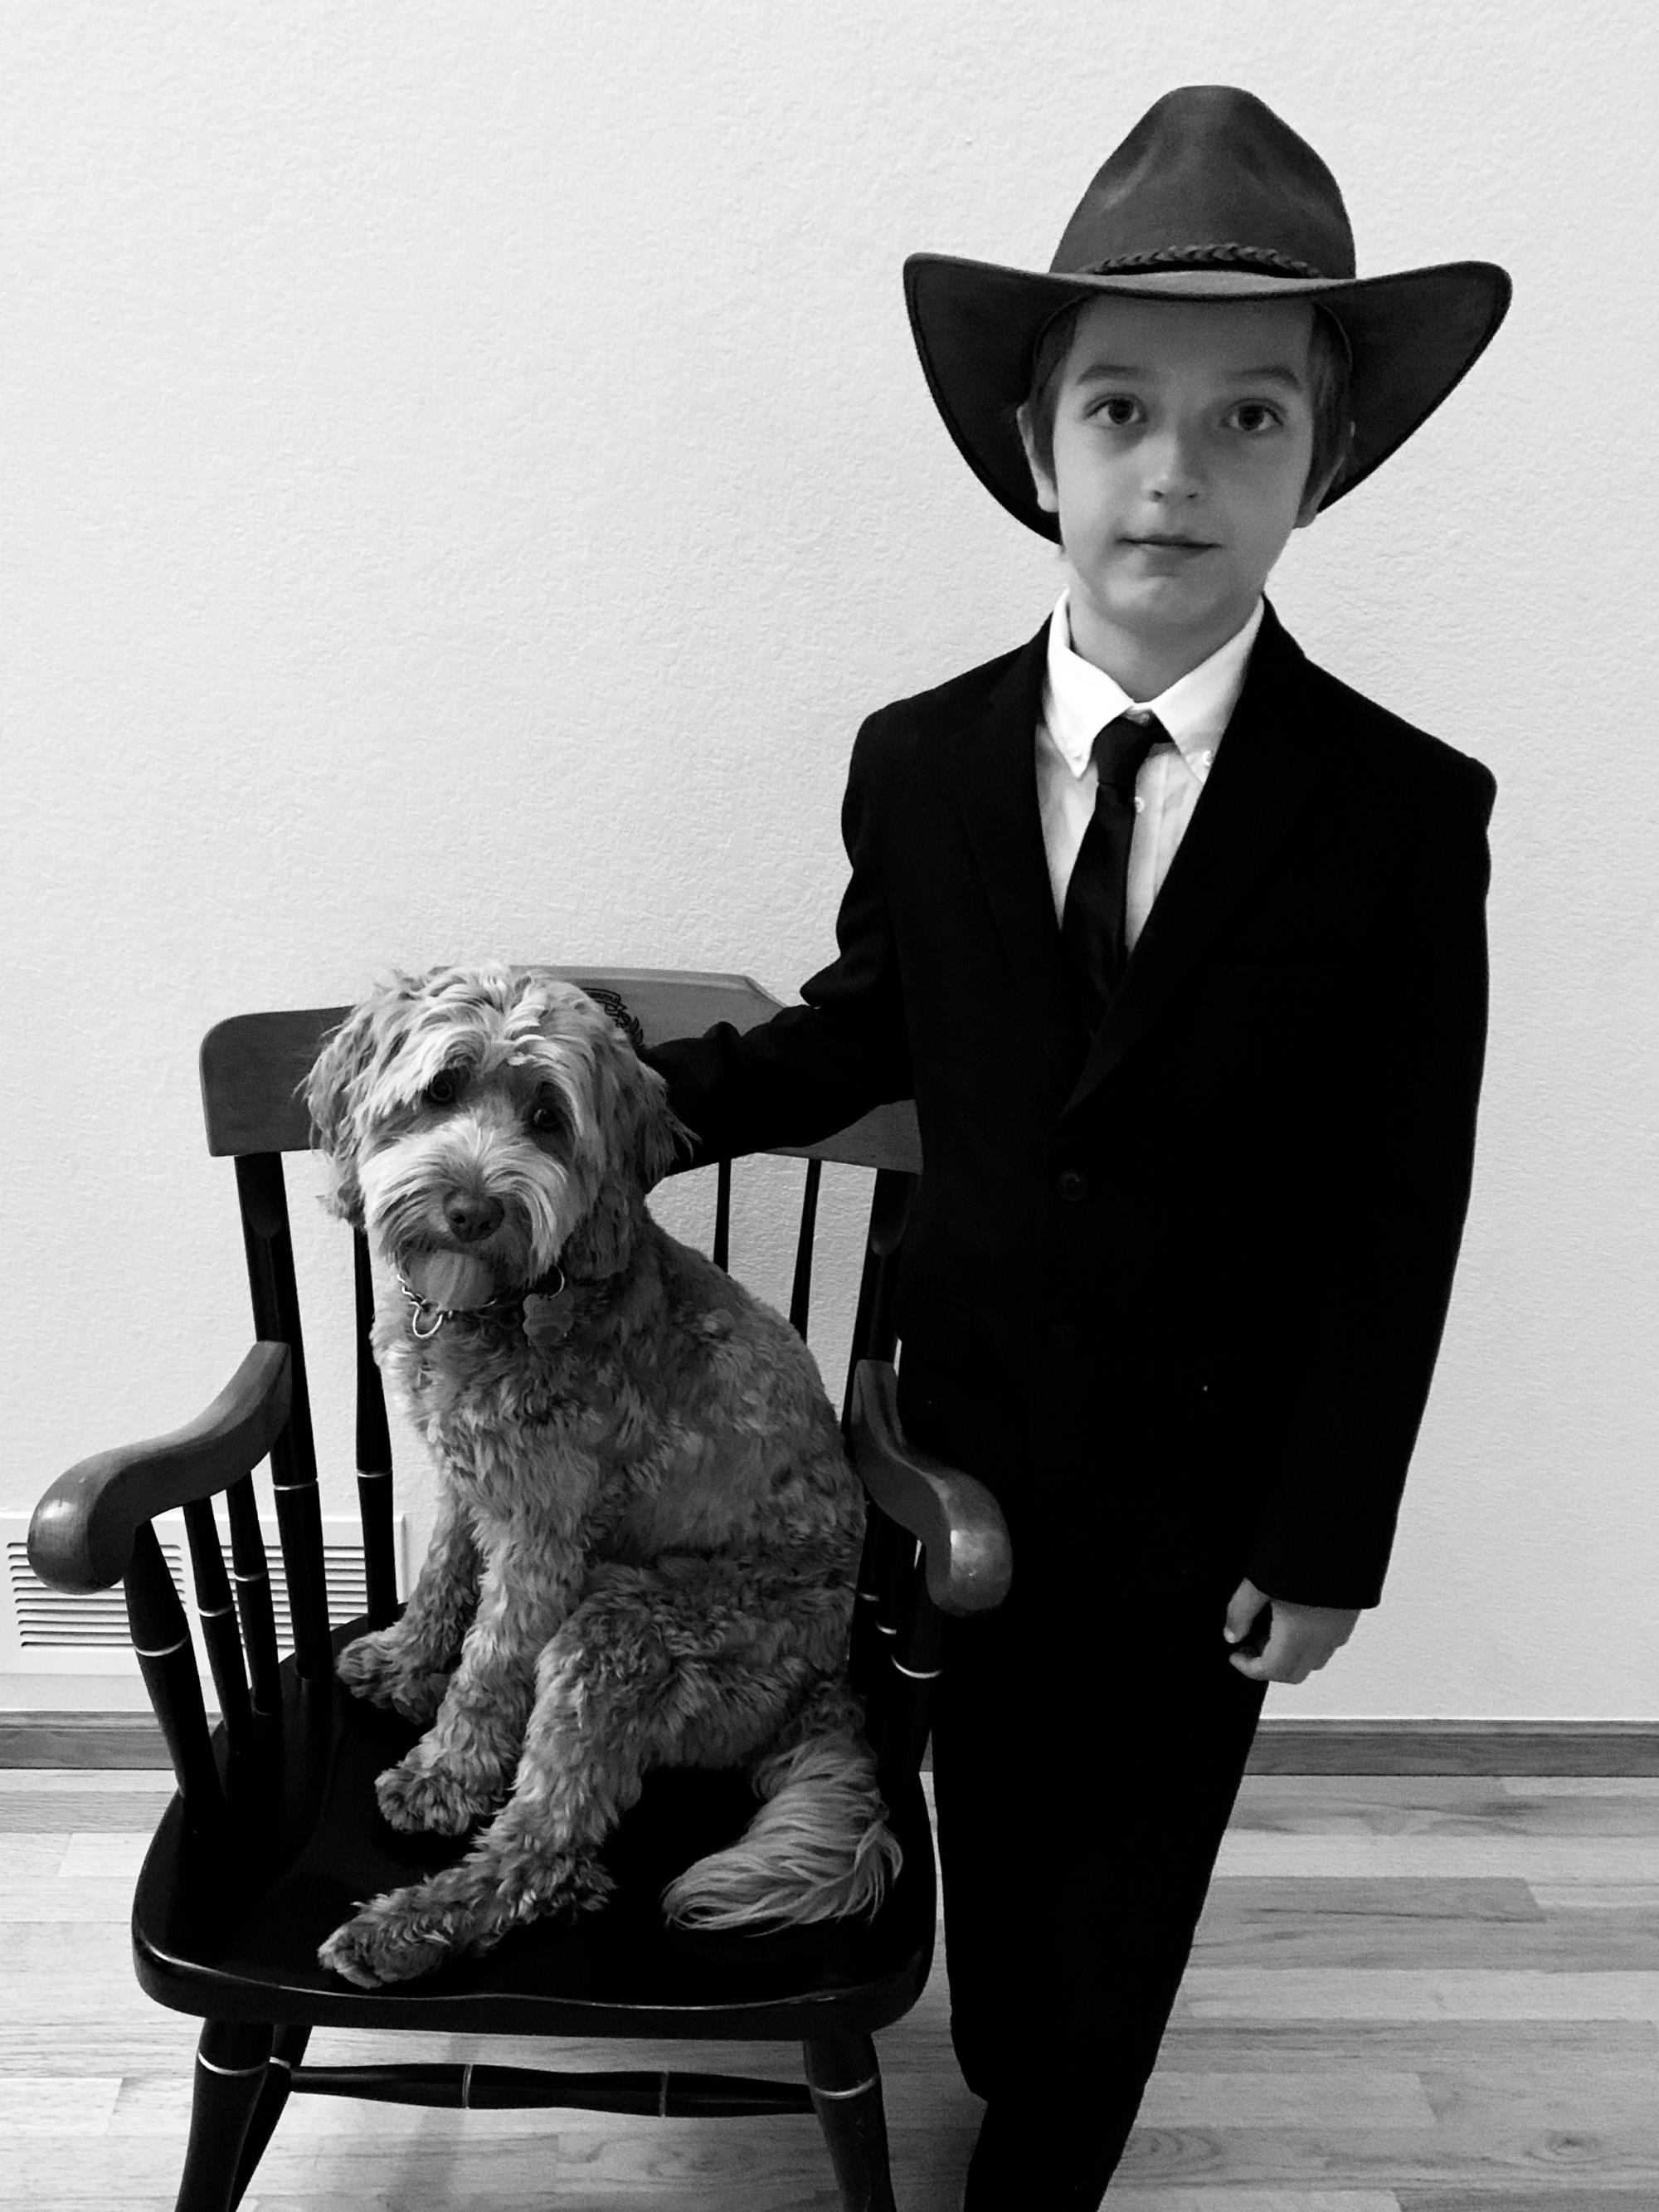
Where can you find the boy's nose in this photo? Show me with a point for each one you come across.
(1172, 469)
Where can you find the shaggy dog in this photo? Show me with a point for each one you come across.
(647, 1529)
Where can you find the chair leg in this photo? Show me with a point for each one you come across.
(287, 2049)
(230, 2072)
(845, 2081)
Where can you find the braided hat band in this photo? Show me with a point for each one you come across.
(1231, 256)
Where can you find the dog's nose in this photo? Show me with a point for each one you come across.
(471, 1216)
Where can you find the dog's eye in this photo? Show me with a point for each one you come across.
(546, 1118)
(443, 1089)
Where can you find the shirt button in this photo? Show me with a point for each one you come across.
(1071, 1184)
(1062, 1337)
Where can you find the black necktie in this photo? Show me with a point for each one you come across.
(1091, 929)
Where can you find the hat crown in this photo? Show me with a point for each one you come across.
(1211, 176)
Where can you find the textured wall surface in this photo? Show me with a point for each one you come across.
(466, 475)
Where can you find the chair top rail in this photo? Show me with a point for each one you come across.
(81, 1538)
(252, 1065)
(959, 1524)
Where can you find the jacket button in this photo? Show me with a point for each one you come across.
(1072, 1184)
(1062, 1337)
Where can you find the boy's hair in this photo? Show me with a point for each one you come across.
(1328, 362)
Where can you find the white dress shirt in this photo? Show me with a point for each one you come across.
(1078, 700)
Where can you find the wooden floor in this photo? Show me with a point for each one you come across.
(1431, 1995)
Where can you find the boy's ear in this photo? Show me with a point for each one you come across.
(1315, 493)
(1048, 497)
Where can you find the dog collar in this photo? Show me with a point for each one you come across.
(540, 1294)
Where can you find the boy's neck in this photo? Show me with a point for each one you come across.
(1146, 667)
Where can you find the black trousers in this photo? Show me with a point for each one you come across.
(1089, 1738)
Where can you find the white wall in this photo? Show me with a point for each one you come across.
(466, 475)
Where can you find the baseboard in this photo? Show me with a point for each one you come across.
(1282, 1746)
(1542, 1747)
(67, 1739)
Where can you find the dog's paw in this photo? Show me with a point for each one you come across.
(434, 1800)
(380, 1668)
(468, 1909)
(586, 1887)
(391, 1940)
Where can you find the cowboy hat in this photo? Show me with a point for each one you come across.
(1210, 197)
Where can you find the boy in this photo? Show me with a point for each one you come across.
(1179, 945)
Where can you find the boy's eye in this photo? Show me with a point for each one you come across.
(1255, 416)
(1119, 409)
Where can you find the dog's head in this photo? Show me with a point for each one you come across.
(495, 1112)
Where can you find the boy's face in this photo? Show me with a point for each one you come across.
(1183, 432)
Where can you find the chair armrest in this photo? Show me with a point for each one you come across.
(81, 1537)
(964, 1538)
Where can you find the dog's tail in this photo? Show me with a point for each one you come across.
(818, 1849)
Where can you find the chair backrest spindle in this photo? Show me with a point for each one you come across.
(217, 1611)
(160, 1637)
(875, 1331)
(253, 1602)
(373, 1453)
(886, 1546)
(800, 1294)
(889, 1216)
(293, 1458)
(722, 1247)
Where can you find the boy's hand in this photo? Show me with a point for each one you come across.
(1301, 1639)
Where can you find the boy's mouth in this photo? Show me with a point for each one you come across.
(1169, 541)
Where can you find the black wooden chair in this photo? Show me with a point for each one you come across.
(274, 1833)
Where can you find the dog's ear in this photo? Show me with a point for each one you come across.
(658, 1136)
(332, 1093)
(641, 1139)
(646, 1136)
(336, 1090)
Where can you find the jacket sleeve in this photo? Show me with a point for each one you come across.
(1394, 1219)
(813, 1068)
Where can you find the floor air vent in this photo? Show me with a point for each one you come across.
(47, 1620)
(42, 1631)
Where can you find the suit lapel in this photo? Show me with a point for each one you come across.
(996, 786)
(1252, 797)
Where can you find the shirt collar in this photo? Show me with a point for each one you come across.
(1080, 699)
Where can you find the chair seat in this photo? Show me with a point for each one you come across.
(226, 1920)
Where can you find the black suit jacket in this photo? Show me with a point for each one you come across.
(1187, 1278)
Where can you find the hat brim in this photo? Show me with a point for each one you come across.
(1412, 336)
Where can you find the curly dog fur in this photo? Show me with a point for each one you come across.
(647, 1529)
